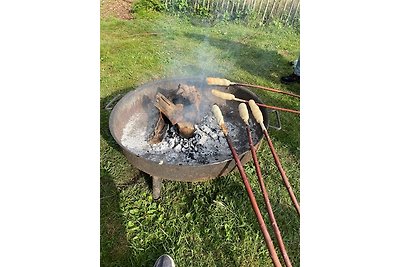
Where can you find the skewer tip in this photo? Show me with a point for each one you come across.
(257, 113)
(218, 114)
(223, 95)
(220, 119)
(244, 113)
(218, 81)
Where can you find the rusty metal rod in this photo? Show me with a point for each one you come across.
(277, 108)
(267, 201)
(282, 172)
(260, 120)
(268, 89)
(225, 82)
(229, 96)
(264, 230)
(254, 205)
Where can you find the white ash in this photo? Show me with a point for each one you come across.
(208, 145)
(134, 137)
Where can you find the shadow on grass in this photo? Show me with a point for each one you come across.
(259, 62)
(106, 134)
(286, 216)
(204, 233)
(114, 248)
(208, 204)
(105, 116)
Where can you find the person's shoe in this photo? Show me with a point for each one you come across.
(164, 261)
(292, 78)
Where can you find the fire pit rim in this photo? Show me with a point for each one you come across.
(144, 86)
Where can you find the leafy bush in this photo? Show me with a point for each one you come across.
(201, 15)
(148, 5)
(181, 5)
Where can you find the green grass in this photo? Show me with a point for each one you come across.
(199, 224)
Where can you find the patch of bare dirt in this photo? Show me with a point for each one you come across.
(116, 8)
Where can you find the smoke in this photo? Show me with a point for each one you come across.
(192, 55)
(192, 52)
(206, 58)
(199, 59)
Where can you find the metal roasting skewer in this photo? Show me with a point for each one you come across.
(244, 114)
(228, 96)
(225, 82)
(260, 120)
(220, 120)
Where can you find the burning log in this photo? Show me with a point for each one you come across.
(244, 114)
(191, 94)
(159, 131)
(175, 115)
(220, 120)
(225, 82)
(260, 120)
(228, 96)
(186, 129)
(184, 112)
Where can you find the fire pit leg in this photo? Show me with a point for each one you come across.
(157, 183)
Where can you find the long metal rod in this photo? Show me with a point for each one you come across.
(254, 205)
(267, 201)
(276, 108)
(282, 172)
(281, 109)
(268, 89)
(229, 96)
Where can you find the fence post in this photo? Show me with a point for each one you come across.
(259, 8)
(294, 16)
(287, 11)
(265, 11)
(272, 9)
(284, 9)
(290, 10)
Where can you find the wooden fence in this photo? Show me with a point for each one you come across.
(264, 11)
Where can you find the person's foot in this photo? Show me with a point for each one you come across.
(164, 261)
(292, 78)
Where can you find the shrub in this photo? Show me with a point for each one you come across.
(148, 5)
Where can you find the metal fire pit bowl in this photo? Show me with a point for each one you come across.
(141, 101)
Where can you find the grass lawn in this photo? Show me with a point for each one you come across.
(198, 224)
